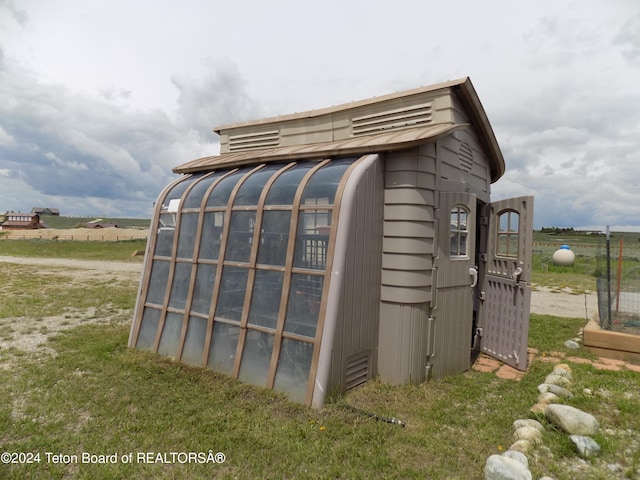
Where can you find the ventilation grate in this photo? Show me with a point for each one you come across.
(357, 369)
(250, 141)
(465, 154)
(392, 119)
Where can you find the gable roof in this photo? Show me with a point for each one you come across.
(391, 122)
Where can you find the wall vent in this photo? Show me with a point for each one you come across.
(357, 369)
(249, 141)
(465, 154)
(392, 119)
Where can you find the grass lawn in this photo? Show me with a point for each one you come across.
(93, 395)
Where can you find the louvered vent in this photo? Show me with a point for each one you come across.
(357, 370)
(392, 119)
(249, 141)
(465, 155)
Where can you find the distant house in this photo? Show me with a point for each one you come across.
(21, 221)
(46, 211)
(102, 225)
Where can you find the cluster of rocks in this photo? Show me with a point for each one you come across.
(579, 425)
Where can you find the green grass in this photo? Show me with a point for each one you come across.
(96, 395)
(84, 250)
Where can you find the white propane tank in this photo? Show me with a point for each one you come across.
(563, 256)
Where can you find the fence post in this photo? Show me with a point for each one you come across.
(608, 325)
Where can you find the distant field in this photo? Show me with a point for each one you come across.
(74, 222)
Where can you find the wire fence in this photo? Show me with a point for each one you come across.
(618, 285)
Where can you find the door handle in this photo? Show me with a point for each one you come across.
(473, 271)
(516, 274)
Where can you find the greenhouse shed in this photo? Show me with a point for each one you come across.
(321, 249)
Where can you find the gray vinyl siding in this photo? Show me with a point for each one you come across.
(356, 335)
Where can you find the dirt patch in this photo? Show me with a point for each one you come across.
(104, 234)
(564, 302)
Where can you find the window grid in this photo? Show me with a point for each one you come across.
(300, 292)
(508, 238)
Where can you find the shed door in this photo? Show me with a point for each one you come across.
(456, 283)
(505, 273)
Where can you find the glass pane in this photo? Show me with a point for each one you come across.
(284, 188)
(231, 295)
(312, 239)
(222, 353)
(178, 189)
(158, 282)
(265, 301)
(221, 192)
(188, 227)
(166, 230)
(240, 236)
(148, 329)
(304, 304)
(324, 182)
(504, 222)
(250, 191)
(210, 239)
(503, 245)
(462, 219)
(256, 358)
(170, 334)
(180, 286)
(203, 289)
(463, 244)
(194, 197)
(294, 364)
(274, 238)
(194, 341)
(514, 219)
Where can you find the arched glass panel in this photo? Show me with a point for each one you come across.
(176, 192)
(180, 286)
(203, 289)
(186, 239)
(274, 237)
(232, 290)
(294, 365)
(158, 282)
(194, 197)
(458, 232)
(194, 341)
(240, 236)
(211, 235)
(249, 192)
(508, 236)
(321, 189)
(283, 190)
(222, 352)
(170, 334)
(256, 358)
(148, 329)
(303, 307)
(219, 196)
(265, 301)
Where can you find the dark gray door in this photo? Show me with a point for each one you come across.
(456, 284)
(505, 273)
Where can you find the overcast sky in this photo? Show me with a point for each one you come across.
(99, 100)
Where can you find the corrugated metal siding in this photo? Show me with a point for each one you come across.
(356, 336)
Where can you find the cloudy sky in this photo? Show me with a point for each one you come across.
(99, 100)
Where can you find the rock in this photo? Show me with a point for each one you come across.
(548, 397)
(587, 391)
(560, 391)
(563, 369)
(531, 434)
(587, 447)
(522, 446)
(546, 478)
(571, 344)
(558, 379)
(507, 467)
(572, 420)
(539, 408)
(528, 422)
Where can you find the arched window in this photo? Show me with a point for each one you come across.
(507, 235)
